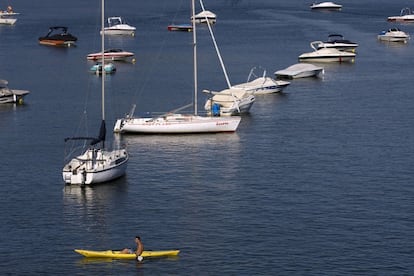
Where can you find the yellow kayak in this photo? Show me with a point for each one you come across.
(118, 255)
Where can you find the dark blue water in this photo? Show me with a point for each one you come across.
(317, 180)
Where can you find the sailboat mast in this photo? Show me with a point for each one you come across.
(195, 55)
(103, 57)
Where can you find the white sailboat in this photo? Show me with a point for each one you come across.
(175, 123)
(96, 164)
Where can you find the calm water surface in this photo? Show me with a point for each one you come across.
(317, 180)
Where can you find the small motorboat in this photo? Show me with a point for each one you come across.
(109, 68)
(406, 15)
(180, 27)
(8, 95)
(58, 36)
(262, 85)
(393, 35)
(204, 17)
(325, 6)
(299, 70)
(118, 26)
(228, 102)
(326, 54)
(337, 41)
(113, 54)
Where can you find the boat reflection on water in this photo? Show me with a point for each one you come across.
(83, 208)
(91, 196)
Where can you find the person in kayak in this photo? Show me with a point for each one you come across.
(138, 251)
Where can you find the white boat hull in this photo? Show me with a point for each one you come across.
(177, 124)
(119, 32)
(326, 55)
(322, 59)
(95, 166)
(7, 21)
(393, 39)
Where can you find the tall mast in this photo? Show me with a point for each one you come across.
(195, 55)
(103, 57)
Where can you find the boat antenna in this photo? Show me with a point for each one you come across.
(215, 46)
(194, 55)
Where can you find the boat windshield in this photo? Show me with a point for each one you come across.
(112, 21)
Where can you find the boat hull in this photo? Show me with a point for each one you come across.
(7, 21)
(180, 27)
(111, 56)
(177, 124)
(322, 59)
(54, 42)
(113, 31)
(118, 255)
(389, 38)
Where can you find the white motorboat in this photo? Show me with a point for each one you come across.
(300, 70)
(113, 54)
(325, 6)
(337, 41)
(204, 17)
(8, 95)
(175, 123)
(406, 15)
(262, 85)
(394, 35)
(326, 54)
(118, 26)
(229, 102)
(7, 20)
(96, 164)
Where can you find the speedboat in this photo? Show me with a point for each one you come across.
(326, 54)
(58, 36)
(205, 16)
(262, 85)
(325, 6)
(112, 54)
(180, 27)
(406, 15)
(8, 95)
(393, 35)
(118, 26)
(109, 68)
(337, 41)
(300, 70)
(231, 101)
